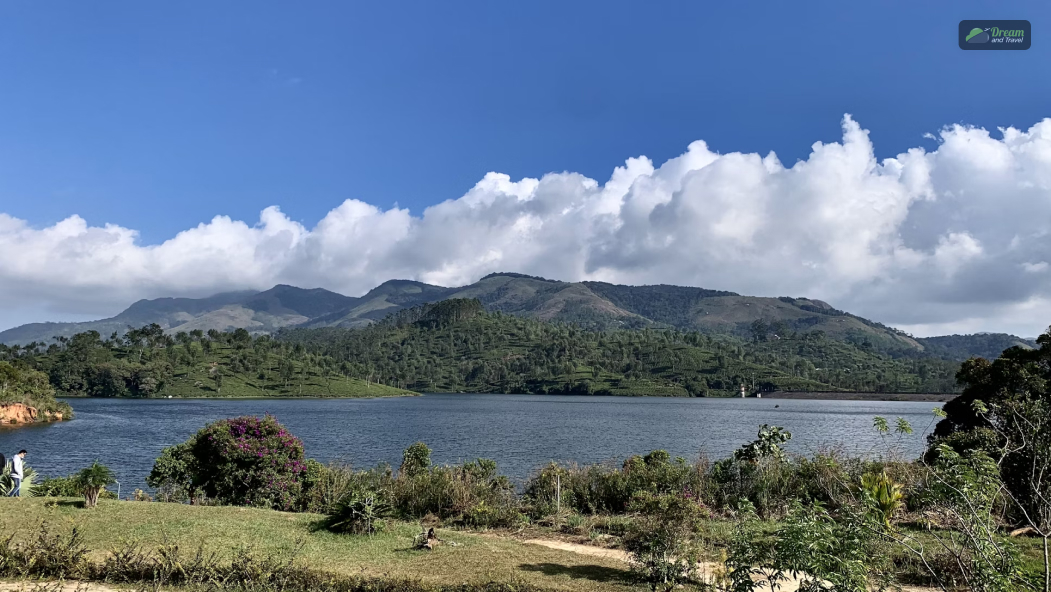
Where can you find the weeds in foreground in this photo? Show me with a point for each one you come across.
(62, 556)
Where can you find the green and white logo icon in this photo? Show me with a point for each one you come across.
(995, 34)
(977, 36)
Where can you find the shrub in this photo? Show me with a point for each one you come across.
(606, 488)
(473, 494)
(245, 461)
(59, 487)
(360, 512)
(661, 539)
(93, 481)
(170, 476)
(312, 480)
(50, 554)
(415, 460)
(761, 474)
(65, 487)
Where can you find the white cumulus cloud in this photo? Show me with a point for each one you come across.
(954, 239)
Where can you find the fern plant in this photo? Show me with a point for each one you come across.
(360, 513)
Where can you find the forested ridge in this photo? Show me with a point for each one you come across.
(456, 346)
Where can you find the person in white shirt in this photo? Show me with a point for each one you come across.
(17, 473)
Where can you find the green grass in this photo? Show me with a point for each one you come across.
(225, 529)
(478, 558)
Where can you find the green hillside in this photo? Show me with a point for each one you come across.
(455, 345)
(982, 345)
(148, 363)
(596, 306)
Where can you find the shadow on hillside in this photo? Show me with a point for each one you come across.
(65, 503)
(596, 573)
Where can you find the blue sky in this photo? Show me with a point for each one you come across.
(159, 116)
(142, 143)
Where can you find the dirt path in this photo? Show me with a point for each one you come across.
(707, 569)
(580, 549)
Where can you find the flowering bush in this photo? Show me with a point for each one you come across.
(245, 461)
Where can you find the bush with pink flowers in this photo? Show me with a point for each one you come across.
(244, 461)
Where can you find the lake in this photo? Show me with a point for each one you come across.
(520, 432)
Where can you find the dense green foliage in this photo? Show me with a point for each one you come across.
(69, 486)
(242, 461)
(609, 489)
(470, 494)
(19, 383)
(963, 347)
(146, 362)
(1001, 425)
(1017, 373)
(456, 346)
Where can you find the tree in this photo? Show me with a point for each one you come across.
(760, 329)
(216, 374)
(1006, 408)
(286, 369)
(240, 336)
(93, 481)
(780, 328)
(245, 461)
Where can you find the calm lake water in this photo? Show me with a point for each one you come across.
(520, 432)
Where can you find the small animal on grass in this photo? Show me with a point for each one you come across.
(428, 540)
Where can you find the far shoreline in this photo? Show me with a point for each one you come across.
(843, 396)
(798, 395)
(249, 398)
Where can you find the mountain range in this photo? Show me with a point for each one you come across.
(596, 305)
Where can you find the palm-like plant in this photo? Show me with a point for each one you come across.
(28, 488)
(884, 493)
(93, 481)
(359, 513)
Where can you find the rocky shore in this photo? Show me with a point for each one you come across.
(21, 414)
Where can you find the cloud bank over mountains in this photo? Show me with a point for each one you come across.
(953, 240)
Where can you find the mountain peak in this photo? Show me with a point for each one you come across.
(593, 305)
(511, 274)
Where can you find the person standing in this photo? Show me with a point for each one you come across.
(17, 473)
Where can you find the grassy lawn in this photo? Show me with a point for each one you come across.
(225, 529)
